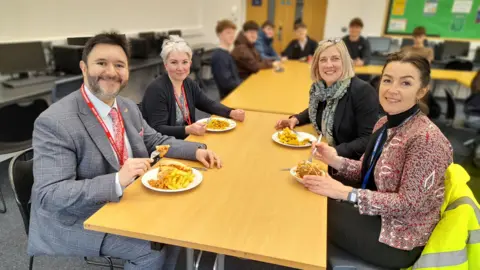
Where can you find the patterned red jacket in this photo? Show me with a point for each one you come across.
(409, 176)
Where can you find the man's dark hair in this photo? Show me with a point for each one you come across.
(419, 31)
(268, 23)
(111, 38)
(299, 25)
(250, 25)
(356, 22)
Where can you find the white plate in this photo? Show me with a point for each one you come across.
(301, 136)
(232, 124)
(293, 172)
(152, 174)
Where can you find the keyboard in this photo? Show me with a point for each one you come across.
(29, 81)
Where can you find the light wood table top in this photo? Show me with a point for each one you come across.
(462, 77)
(276, 92)
(288, 92)
(247, 209)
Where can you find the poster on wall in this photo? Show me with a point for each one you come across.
(398, 8)
(462, 6)
(397, 25)
(458, 23)
(477, 20)
(430, 7)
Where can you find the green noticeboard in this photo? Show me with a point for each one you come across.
(446, 19)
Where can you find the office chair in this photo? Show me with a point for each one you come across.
(451, 107)
(63, 88)
(3, 210)
(20, 174)
(196, 67)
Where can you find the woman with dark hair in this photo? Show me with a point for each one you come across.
(389, 220)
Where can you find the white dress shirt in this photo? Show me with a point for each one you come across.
(103, 110)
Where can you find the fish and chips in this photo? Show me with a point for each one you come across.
(287, 136)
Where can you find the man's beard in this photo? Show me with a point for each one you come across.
(94, 86)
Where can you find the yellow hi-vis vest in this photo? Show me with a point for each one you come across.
(455, 241)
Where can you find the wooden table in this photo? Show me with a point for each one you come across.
(247, 209)
(275, 92)
(462, 77)
(288, 92)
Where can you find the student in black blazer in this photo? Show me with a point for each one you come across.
(301, 47)
(342, 107)
(170, 101)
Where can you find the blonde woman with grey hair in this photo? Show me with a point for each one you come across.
(170, 100)
(342, 107)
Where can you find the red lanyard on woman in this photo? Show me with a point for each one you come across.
(119, 152)
(184, 110)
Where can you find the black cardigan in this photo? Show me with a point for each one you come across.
(355, 117)
(158, 105)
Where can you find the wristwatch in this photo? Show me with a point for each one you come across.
(353, 196)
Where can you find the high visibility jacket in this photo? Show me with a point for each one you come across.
(455, 241)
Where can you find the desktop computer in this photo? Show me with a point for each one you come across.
(452, 49)
(379, 45)
(79, 41)
(175, 33)
(67, 58)
(21, 58)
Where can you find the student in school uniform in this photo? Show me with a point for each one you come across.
(358, 46)
(419, 37)
(303, 46)
(264, 42)
(224, 69)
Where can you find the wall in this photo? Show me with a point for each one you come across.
(340, 12)
(52, 20)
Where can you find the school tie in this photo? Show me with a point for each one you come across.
(118, 136)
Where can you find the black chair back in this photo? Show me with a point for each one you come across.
(20, 173)
(451, 106)
(459, 65)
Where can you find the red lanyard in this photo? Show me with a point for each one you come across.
(119, 152)
(185, 112)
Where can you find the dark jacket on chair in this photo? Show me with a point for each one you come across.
(355, 117)
(158, 105)
(295, 52)
(247, 58)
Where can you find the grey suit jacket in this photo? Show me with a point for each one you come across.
(74, 170)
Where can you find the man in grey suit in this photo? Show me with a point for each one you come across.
(88, 147)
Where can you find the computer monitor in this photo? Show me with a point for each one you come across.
(379, 44)
(22, 57)
(77, 40)
(175, 32)
(452, 49)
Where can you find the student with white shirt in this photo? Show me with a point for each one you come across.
(303, 46)
(87, 148)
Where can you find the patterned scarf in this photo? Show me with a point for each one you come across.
(320, 93)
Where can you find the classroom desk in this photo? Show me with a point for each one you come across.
(247, 209)
(462, 77)
(288, 92)
(276, 92)
(142, 72)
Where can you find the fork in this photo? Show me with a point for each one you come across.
(310, 159)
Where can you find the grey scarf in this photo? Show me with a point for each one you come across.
(319, 92)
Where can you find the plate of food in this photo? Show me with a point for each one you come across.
(306, 168)
(172, 176)
(290, 138)
(218, 124)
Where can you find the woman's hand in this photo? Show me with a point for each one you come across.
(327, 155)
(196, 129)
(238, 115)
(326, 186)
(290, 123)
